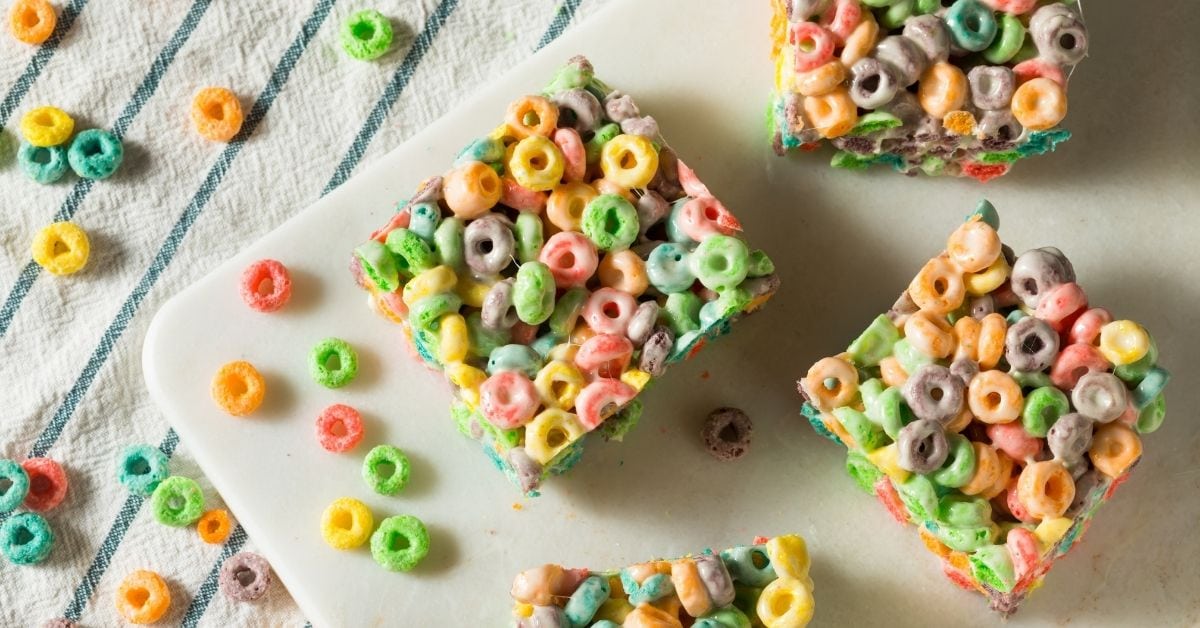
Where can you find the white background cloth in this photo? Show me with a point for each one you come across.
(179, 205)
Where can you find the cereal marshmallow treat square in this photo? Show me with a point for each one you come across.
(992, 407)
(556, 269)
(944, 87)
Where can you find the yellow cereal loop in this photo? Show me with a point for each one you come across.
(861, 40)
(888, 460)
(61, 248)
(564, 207)
(630, 161)
(551, 432)
(536, 163)
(453, 339)
(1051, 530)
(346, 523)
(785, 603)
(959, 122)
(471, 292)
(436, 280)
(987, 280)
(558, 383)
(47, 126)
(468, 379)
(820, 81)
(520, 609)
(615, 609)
(1123, 342)
(636, 379)
(789, 556)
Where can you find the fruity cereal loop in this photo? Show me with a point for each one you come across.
(556, 269)
(993, 407)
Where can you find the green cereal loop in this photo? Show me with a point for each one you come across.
(987, 213)
(485, 149)
(610, 222)
(26, 538)
(528, 232)
(586, 600)
(566, 311)
(412, 254)
(95, 154)
(484, 340)
(895, 15)
(682, 312)
(965, 538)
(875, 122)
(1149, 419)
(533, 293)
(908, 356)
(1151, 387)
(448, 242)
(1028, 51)
(933, 166)
(520, 358)
(378, 265)
(142, 469)
(319, 359)
(864, 474)
(1008, 42)
(919, 497)
(866, 434)
(746, 596)
(576, 74)
(400, 543)
(720, 262)
(959, 465)
(1136, 371)
(961, 511)
(506, 438)
(18, 485)
(1036, 379)
(461, 413)
(1003, 157)
(1042, 408)
(381, 481)
(426, 343)
(870, 390)
(893, 413)
(618, 425)
(603, 135)
(723, 308)
(545, 343)
(992, 565)
(366, 35)
(849, 161)
(427, 313)
(759, 265)
(926, 6)
(177, 502)
(727, 617)
(875, 343)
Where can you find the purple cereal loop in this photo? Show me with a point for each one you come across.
(645, 126)
(1070, 437)
(930, 35)
(641, 324)
(981, 306)
(430, 192)
(903, 56)
(620, 107)
(584, 109)
(488, 244)
(759, 286)
(999, 125)
(651, 209)
(1059, 34)
(357, 272)
(727, 433)
(716, 579)
(545, 617)
(919, 394)
(527, 470)
(902, 308)
(873, 84)
(965, 369)
(922, 446)
(1085, 483)
(1100, 396)
(656, 350)
(907, 108)
(498, 311)
(244, 577)
(666, 180)
(1030, 345)
(802, 10)
(991, 86)
(1037, 271)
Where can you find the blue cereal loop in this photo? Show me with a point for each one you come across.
(26, 538)
(142, 468)
(95, 154)
(42, 164)
(14, 485)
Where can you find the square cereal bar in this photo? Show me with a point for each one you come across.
(556, 269)
(962, 88)
(992, 407)
(762, 584)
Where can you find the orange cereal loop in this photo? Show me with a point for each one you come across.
(938, 288)
(832, 114)
(966, 339)
(238, 388)
(531, 115)
(1002, 478)
(1039, 104)
(32, 21)
(930, 334)
(942, 89)
(472, 189)
(143, 597)
(1115, 447)
(995, 397)
(214, 526)
(992, 330)
(961, 421)
(606, 186)
(959, 122)
(217, 114)
(987, 469)
(974, 246)
(892, 373)
(932, 543)
(831, 383)
(834, 425)
(1046, 489)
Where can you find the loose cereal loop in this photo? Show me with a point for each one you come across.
(339, 428)
(44, 164)
(143, 597)
(32, 21)
(95, 154)
(47, 126)
(14, 485)
(400, 543)
(367, 35)
(142, 468)
(333, 363)
(177, 502)
(217, 114)
(214, 526)
(386, 469)
(26, 538)
(62, 248)
(727, 434)
(266, 285)
(47, 484)
(346, 523)
(244, 577)
(238, 388)
(531, 115)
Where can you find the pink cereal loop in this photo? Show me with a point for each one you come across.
(604, 355)
(599, 399)
(571, 257)
(1012, 439)
(508, 399)
(1023, 547)
(689, 181)
(887, 495)
(1039, 68)
(1059, 303)
(841, 19)
(351, 427)
(704, 216)
(571, 145)
(1074, 362)
(521, 198)
(1016, 7)
(1086, 329)
(820, 46)
(523, 333)
(252, 282)
(398, 221)
(1013, 501)
(608, 311)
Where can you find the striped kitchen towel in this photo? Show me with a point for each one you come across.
(178, 206)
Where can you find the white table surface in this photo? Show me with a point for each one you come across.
(1119, 200)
